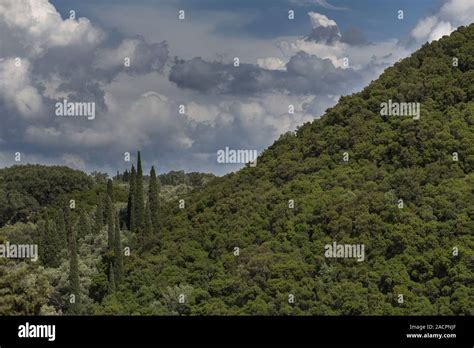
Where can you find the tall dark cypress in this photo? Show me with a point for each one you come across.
(99, 215)
(131, 221)
(61, 229)
(139, 200)
(153, 197)
(74, 286)
(118, 255)
(42, 238)
(111, 284)
(84, 226)
(110, 219)
(110, 189)
(110, 224)
(50, 243)
(110, 214)
(148, 230)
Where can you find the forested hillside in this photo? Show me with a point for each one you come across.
(253, 242)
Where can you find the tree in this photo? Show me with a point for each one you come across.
(61, 228)
(153, 197)
(111, 279)
(148, 230)
(50, 243)
(110, 189)
(110, 224)
(139, 200)
(99, 215)
(26, 188)
(84, 226)
(25, 289)
(74, 287)
(126, 176)
(118, 259)
(100, 177)
(131, 219)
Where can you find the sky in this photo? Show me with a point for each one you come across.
(182, 97)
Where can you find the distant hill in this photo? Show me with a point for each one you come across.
(25, 189)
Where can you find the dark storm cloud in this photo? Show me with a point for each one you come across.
(326, 35)
(144, 57)
(222, 78)
(354, 36)
(305, 74)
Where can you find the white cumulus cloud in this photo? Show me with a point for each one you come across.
(452, 14)
(320, 20)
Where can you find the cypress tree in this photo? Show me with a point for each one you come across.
(139, 201)
(67, 226)
(148, 223)
(99, 215)
(131, 201)
(110, 214)
(61, 229)
(50, 243)
(153, 197)
(84, 226)
(110, 190)
(110, 224)
(118, 261)
(111, 284)
(74, 287)
(42, 239)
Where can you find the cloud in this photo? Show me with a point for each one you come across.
(34, 26)
(321, 3)
(354, 37)
(452, 14)
(271, 63)
(319, 20)
(431, 28)
(305, 74)
(16, 89)
(142, 57)
(202, 34)
(325, 30)
(326, 42)
(43, 59)
(74, 161)
(63, 57)
(459, 12)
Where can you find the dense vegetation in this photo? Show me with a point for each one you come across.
(243, 243)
